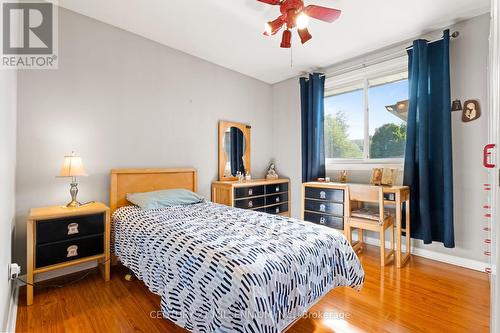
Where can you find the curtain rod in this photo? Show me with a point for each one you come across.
(380, 59)
(455, 34)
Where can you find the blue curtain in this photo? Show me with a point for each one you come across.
(428, 156)
(312, 93)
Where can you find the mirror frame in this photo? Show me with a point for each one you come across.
(223, 126)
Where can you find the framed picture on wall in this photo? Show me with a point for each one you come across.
(389, 176)
(376, 178)
(471, 111)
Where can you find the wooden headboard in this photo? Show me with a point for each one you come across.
(125, 181)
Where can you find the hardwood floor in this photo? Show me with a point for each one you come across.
(425, 296)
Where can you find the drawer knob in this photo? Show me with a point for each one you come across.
(322, 220)
(277, 188)
(73, 228)
(322, 195)
(278, 199)
(322, 208)
(250, 192)
(250, 204)
(277, 210)
(72, 251)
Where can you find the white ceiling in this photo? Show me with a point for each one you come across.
(229, 32)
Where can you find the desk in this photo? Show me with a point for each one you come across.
(325, 192)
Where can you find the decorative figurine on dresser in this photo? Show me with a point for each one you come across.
(264, 195)
(271, 172)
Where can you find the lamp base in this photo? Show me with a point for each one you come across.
(73, 191)
(73, 204)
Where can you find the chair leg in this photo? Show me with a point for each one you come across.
(382, 247)
(348, 234)
(391, 229)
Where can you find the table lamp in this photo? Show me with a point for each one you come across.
(73, 167)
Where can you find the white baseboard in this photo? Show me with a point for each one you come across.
(442, 257)
(10, 324)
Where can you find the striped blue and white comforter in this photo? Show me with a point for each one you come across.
(222, 269)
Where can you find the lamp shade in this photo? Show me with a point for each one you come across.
(72, 167)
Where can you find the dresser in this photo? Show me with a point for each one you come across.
(269, 196)
(324, 204)
(59, 237)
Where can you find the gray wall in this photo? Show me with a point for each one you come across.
(8, 86)
(469, 59)
(120, 100)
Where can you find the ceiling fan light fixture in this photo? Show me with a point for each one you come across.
(304, 34)
(273, 27)
(286, 40)
(294, 14)
(302, 21)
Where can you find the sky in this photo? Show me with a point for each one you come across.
(378, 97)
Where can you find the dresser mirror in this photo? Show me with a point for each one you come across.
(234, 150)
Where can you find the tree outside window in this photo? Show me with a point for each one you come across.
(380, 130)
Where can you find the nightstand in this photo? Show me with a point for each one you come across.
(59, 237)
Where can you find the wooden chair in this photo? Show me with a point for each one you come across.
(375, 219)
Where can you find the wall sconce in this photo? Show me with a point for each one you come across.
(456, 105)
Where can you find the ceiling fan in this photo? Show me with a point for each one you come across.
(295, 14)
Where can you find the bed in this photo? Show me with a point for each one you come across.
(223, 269)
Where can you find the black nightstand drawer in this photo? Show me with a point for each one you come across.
(324, 207)
(68, 228)
(324, 194)
(59, 252)
(326, 220)
(277, 209)
(276, 199)
(250, 203)
(245, 192)
(276, 188)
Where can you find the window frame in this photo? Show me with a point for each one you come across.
(351, 78)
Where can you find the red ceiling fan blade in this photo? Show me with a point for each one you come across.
(322, 13)
(271, 2)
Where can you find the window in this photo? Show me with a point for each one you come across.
(365, 121)
(344, 124)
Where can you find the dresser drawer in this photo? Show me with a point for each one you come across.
(276, 198)
(277, 209)
(324, 207)
(276, 188)
(251, 191)
(250, 203)
(327, 220)
(59, 252)
(68, 228)
(324, 194)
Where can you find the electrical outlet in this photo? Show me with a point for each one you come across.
(14, 271)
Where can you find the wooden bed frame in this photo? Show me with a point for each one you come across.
(125, 181)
